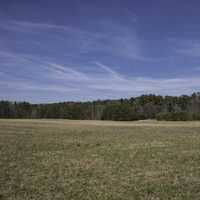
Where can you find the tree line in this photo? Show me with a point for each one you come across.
(175, 108)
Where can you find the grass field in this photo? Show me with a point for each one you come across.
(79, 160)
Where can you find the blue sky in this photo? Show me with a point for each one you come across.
(84, 50)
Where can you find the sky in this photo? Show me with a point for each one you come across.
(80, 50)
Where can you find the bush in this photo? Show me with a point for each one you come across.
(178, 116)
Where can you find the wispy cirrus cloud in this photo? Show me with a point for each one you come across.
(112, 39)
(110, 84)
(62, 78)
(63, 72)
(26, 26)
(189, 47)
(109, 70)
(25, 85)
(147, 84)
(41, 72)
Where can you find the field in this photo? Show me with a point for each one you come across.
(79, 160)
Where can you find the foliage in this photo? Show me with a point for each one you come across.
(143, 107)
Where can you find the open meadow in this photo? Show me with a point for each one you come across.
(88, 160)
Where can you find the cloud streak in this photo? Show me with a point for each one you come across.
(61, 79)
(63, 72)
(75, 61)
(186, 47)
(109, 70)
(111, 39)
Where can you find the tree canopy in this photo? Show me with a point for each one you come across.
(176, 108)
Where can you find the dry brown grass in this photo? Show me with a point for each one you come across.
(64, 159)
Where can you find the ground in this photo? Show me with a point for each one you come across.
(82, 160)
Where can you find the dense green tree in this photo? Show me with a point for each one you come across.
(143, 107)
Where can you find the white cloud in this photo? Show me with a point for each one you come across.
(186, 47)
(62, 78)
(110, 71)
(26, 26)
(25, 85)
(111, 39)
(60, 71)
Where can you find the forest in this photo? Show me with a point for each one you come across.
(170, 108)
